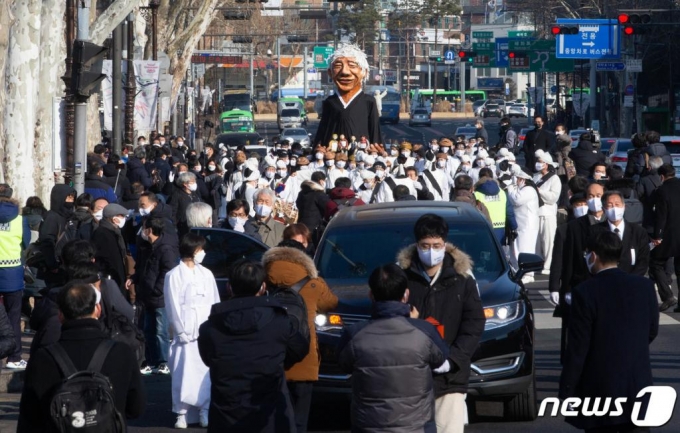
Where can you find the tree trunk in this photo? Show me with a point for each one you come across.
(52, 53)
(23, 62)
(110, 18)
(6, 21)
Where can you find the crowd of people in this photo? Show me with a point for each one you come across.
(121, 259)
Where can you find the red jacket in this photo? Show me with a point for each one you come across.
(341, 197)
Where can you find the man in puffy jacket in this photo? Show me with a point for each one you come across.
(391, 358)
(585, 156)
(442, 287)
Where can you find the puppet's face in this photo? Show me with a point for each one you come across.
(347, 74)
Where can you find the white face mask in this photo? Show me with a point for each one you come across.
(282, 173)
(193, 186)
(406, 153)
(481, 163)
(198, 168)
(237, 223)
(292, 163)
(590, 265)
(263, 210)
(362, 146)
(270, 174)
(340, 164)
(441, 163)
(120, 223)
(539, 166)
(465, 168)
(431, 257)
(180, 143)
(435, 147)
(211, 168)
(460, 153)
(380, 173)
(615, 213)
(394, 152)
(98, 215)
(352, 166)
(579, 211)
(595, 204)
(330, 163)
(199, 256)
(368, 185)
(319, 156)
(145, 212)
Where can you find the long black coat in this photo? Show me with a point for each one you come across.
(667, 219)
(584, 157)
(615, 317)
(108, 240)
(311, 204)
(359, 118)
(455, 303)
(245, 343)
(634, 238)
(54, 224)
(80, 339)
(164, 257)
(646, 190)
(180, 201)
(536, 139)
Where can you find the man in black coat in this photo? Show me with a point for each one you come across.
(111, 247)
(635, 255)
(614, 319)
(247, 342)
(646, 188)
(81, 334)
(62, 205)
(136, 169)
(238, 219)
(666, 235)
(442, 287)
(537, 138)
(149, 282)
(481, 131)
(312, 201)
(349, 110)
(574, 270)
(184, 194)
(585, 156)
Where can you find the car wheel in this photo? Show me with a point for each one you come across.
(524, 406)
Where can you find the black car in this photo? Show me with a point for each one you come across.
(235, 139)
(359, 239)
(492, 110)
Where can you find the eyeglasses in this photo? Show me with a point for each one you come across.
(427, 247)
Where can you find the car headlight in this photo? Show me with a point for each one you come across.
(328, 322)
(501, 315)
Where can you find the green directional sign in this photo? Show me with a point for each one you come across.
(483, 46)
(482, 35)
(541, 57)
(521, 34)
(321, 55)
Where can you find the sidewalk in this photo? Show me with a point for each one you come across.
(11, 384)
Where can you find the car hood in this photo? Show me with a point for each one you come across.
(353, 295)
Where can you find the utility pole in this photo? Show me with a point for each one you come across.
(461, 72)
(131, 85)
(117, 87)
(304, 74)
(80, 129)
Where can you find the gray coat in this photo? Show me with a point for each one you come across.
(391, 358)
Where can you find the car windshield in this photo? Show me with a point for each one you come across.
(498, 101)
(420, 112)
(290, 113)
(492, 106)
(344, 254)
(478, 103)
(294, 132)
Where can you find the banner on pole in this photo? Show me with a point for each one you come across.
(147, 75)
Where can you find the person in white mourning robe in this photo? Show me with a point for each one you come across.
(190, 292)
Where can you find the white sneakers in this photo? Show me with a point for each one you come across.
(181, 422)
(19, 365)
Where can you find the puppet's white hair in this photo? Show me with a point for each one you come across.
(350, 51)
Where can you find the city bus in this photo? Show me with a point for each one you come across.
(391, 103)
(237, 100)
(237, 121)
(585, 90)
(450, 95)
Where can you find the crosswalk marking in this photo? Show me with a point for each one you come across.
(543, 317)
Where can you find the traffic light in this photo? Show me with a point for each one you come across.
(88, 60)
(634, 24)
(518, 59)
(466, 56)
(435, 58)
(564, 30)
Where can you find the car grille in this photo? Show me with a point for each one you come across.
(351, 319)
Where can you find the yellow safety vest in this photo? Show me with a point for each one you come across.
(496, 205)
(11, 236)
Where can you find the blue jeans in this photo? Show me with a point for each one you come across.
(156, 334)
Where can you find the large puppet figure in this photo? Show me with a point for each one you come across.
(349, 111)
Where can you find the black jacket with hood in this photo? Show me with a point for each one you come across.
(111, 251)
(54, 223)
(164, 257)
(584, 157)
(453, 300)
(245, 342)
(311, 204)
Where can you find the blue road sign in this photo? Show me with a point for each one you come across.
(610, 66)
(502, 52)
(596, 39)
(449, 55)
(630, 90)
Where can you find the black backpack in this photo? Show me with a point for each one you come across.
(119, 328)
(290, 299)
(84, 400)
(68, 233)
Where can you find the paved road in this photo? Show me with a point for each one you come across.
(333, 416)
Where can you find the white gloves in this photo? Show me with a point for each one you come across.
(444, 368)
(567, 298)
(183, 338)
(555, 297)
(417, 185)
(171, 177)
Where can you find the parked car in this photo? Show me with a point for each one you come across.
(502, 367)
(501, 103)
(517, 110)
(494, 110)
(618, 153)
(298, 135)
(606, 144)
(672, 143)
(236, 139)
(420, 116)
(477, 107)
(289, 118)
(468, 131)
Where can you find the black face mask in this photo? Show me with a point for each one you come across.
(537, 126)
(69, 205)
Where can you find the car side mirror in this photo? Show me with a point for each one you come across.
(528, 263)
